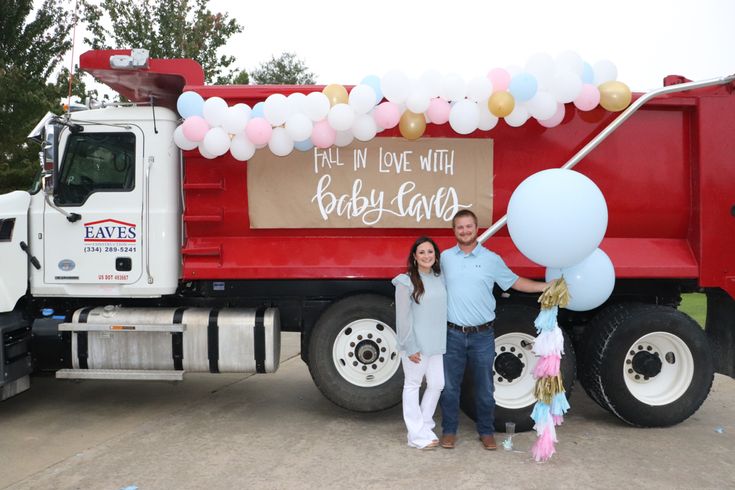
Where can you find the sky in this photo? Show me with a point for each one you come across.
(343, 41)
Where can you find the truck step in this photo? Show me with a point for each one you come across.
(102, 327)
(126, 374)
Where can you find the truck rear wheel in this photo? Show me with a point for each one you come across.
(353, 354)
(513, 368)
(649, 365)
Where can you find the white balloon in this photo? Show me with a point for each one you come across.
(214, 111)
(487, 120)
(235, 120)
(604, 71)
(431, 83)
(216, 142)
(280, 143)
(395, 86)
(479, 89)
(316, 106)
(557, 217)
(242, 148)
(418, 101)
(276, 109)
(541, 66)
(341, 117)
(570, 61)
(299, 127)
(205, 153)
(453, 87)
(518, 117)
(362, 98)
(364, 127)
(181, 140)
(296, 103)
(464, 116)
(565, 86)
(590, 282)
(344, 138)
(542, 106)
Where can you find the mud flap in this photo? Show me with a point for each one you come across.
(720, 330)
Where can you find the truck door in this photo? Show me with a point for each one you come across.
(100, 180)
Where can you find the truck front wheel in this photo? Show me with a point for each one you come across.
(649, 365)
(513, 368)
(353, 354)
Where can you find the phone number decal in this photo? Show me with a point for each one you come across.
(102, 249)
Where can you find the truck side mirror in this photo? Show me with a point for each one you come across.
(48, 156)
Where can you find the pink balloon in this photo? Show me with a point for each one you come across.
(195, 128)
(387, 115)
(258, 131)
(588, 98)
(323, 135)
(556, 119)
(500, 79)
(438, 110)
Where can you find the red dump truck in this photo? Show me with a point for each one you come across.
(135, 260)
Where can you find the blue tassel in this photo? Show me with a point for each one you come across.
(546, 319)
(541, 413)
(559, 404)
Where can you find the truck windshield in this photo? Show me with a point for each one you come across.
(95, 162)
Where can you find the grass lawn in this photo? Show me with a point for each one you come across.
(694, 305)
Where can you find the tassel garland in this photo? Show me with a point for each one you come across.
(551, 404)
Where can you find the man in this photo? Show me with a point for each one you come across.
(470, 271)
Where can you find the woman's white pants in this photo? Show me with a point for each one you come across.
(419, 417)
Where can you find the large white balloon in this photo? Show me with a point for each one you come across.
(604, 71)
(242, 148)
(316, 106)
(214, 110)
(418, 101)
(181, 140)
(557, 217)
(395, 86)
(453, 87)
(216, 142)
(541, 66)
(431, 83)
(276, 109)
(479, 89)
(364, 127)
(235, 119)
(299, 127)
(487, 120)
(565, 86)
(341, 117)
(344, 138)
(280, 143)
(518, 117)
(362, 99)
(464, 117)
(590, 282)
(542, 105)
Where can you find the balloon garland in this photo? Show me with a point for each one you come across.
(336, 116)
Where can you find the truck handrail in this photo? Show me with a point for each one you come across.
(610, 128)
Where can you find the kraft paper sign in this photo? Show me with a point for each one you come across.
(382, 183)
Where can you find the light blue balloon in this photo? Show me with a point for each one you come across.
(305, 145)
(523, 87)
(588, 74)
(258, 110)
(373, 81)
(190, 104)
(590, 282)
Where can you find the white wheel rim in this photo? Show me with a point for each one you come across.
(676, 370)
(365, 353)
(518, 392)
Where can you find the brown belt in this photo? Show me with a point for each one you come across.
(473, 329)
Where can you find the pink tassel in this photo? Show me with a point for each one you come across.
(558, 419)
(543, 448)
(547, 366)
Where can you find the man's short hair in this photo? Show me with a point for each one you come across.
(463, 213)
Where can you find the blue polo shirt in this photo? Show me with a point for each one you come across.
(470, 279)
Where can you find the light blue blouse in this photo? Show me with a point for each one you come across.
(421, 327)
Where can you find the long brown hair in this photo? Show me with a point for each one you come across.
(413, 267)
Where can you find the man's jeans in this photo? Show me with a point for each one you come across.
(476, 351)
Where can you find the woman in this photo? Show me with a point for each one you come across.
(421, 321)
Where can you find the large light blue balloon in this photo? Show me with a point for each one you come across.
(374, 82)
(523, 87)
(190, 104)
(590, 282)
(557, 217)
(258, 110)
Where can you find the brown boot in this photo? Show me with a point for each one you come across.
(488, 442)
(448, 440)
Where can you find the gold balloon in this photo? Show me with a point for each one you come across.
(501, 104)
(614, 96)
(336, 94)
(412, 125)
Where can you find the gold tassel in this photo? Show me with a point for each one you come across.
(547, 387)
(555, 295)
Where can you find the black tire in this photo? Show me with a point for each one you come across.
(368, 313)
(666, 350)
(515, 319)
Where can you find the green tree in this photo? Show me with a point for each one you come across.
(166, 28)
(287, 69)
(31, 48)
